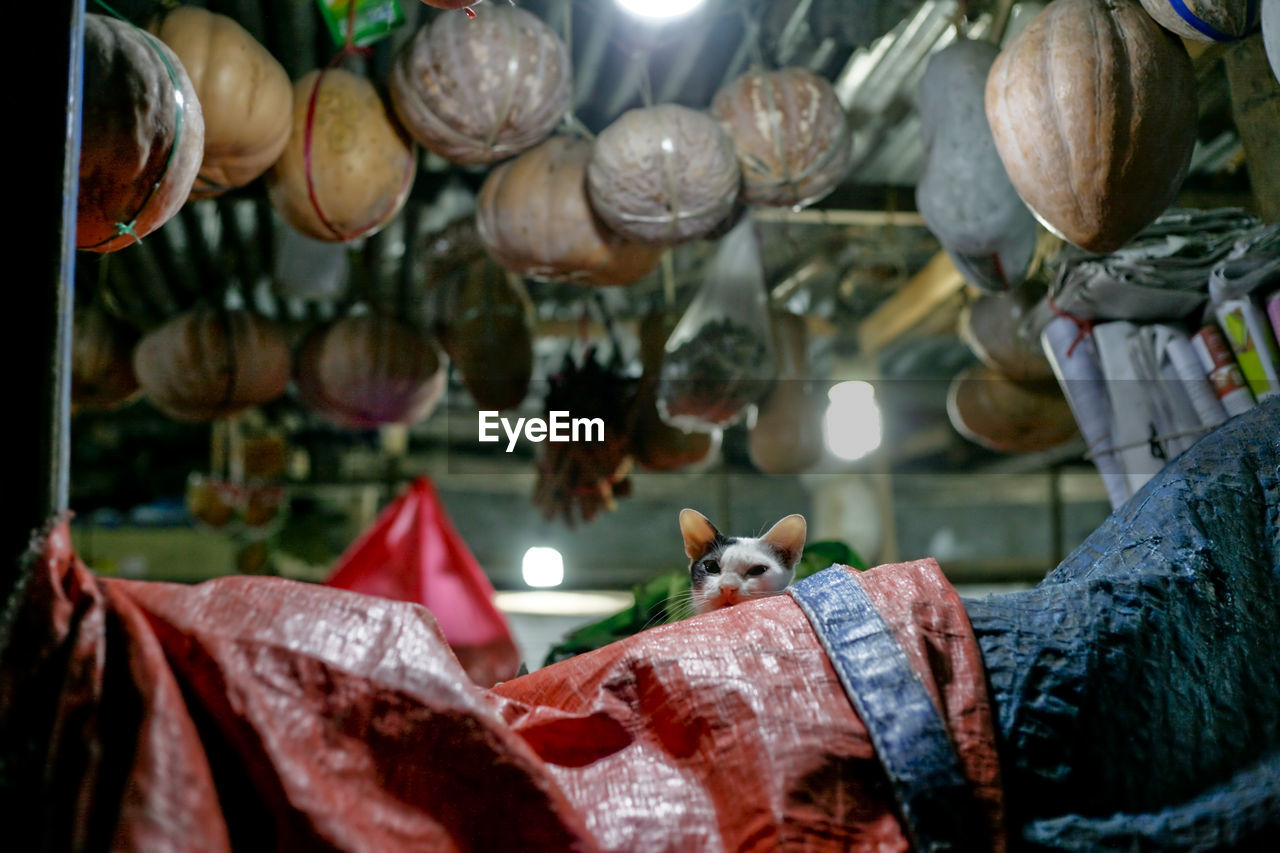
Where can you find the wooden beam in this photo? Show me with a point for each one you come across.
(916, 300)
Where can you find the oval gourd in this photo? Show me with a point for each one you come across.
(101, 360)
(361, 165)
(368, 370)
(1205, 20)
(1006, 416)
(210, 363)
(478, 91)
(663, 175)
(534, 218)
(1093, 111)
(993, 328)
(1271, 34)
(245, 95)
(487, 334)
(790, 132)
(964, 194)
(141, 146)
(787, 435)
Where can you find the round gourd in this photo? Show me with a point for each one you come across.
(993, 328)
(101, 360)
(1271, 34)
(361, 164)
(368, 370)
(790, 132)
(244, 93)
(1093, 111)
(1205, 20)
(1006, 416)
(487, 335)
(663, 175)
(478, 91)
(534, 218)
(210, 363)
(787, 435)
(142, 145)
(655, 444)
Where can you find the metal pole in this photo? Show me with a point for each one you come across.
(40, 369)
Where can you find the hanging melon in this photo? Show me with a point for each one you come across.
(534, 218)
(101, 360)
(996, 331)
(348, 167)
(786, 437)
(478, 91)
(1205, 20)
(663, 175)
(244, 93)
(1006, 416)
(368, 370)
(1093, 111)
(210, 363)
(790, 132)
(142, 132)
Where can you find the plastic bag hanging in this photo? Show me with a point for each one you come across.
(720, 359)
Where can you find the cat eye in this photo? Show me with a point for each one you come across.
(711, 567)
(756, 571)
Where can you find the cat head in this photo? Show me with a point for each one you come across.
(727, 570)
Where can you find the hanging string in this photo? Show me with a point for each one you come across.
(1084, 328)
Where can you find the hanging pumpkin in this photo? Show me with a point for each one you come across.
(534, 218)
(663, 175)
(657, 445)
(787, 435)
(348, 167)
(487, 335)
(790, 132)
(995, 330)
(1093, 111)
(211, 362)
(101, 360)
(1006, 416)
(1205, 20)
(142, 132)
(244, 93)
(478, 91)
(368, 370)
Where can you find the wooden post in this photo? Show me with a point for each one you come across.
(1255, 102)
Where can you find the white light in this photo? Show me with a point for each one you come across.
(852, 422)
(562, 603)
(542, 567)
(659, 8)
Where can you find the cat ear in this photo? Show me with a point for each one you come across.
(788, 537)
(697, 531)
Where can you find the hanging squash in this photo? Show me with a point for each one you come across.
(790, 132)
(478, 91)
(663, 175)
(656, 445)
(1093, 111)
(996, 331)
(244, 93)
(210, 363)
(787, 435)
(534, 218)
(1205, 20)
(142, 132)
(348, 167)
(1006, 416)
(101, 360)
(368, 370)
(487, 335)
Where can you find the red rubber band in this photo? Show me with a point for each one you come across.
(1084, 328)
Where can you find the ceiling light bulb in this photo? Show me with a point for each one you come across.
(852, 423)
(659, 9)
(542, 567)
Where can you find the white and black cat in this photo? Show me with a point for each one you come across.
(727, 570)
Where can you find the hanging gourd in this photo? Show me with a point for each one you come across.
(368, 370)
(534, 218)
(1006, 416)
(964, 194)
(1205, 20)
(1093, 111)
(348, 167)
(244, 93)
(663, 175)
(791, 135)
(142, 132)
(487, 334)
(656, 445)
(101, 360)
(478, 91)
(996, 329)
(211, 362)
(786, 437)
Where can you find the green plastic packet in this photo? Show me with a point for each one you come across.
(375, 20)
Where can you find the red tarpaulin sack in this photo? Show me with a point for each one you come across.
(413, 553)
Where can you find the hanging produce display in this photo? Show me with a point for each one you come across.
(101, 360)
(1096, 138)
(1007, 416)
(964, 194)
(478, 91)
(657, 445)
(1001, 332)
(786, 437)
(1271, 34)
(663, 175)
(245, 95)
(791, 135)
(367, 370)
(143, 136)
(487, 334)
(209, 363)
(534, 219)
(348, 167)
(1205, 20)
